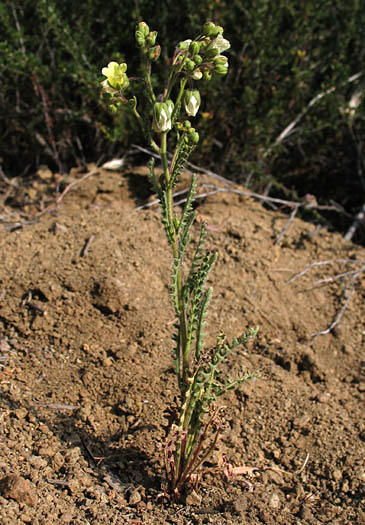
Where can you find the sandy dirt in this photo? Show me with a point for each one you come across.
(86, 371)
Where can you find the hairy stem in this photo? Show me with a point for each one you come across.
(184, 365)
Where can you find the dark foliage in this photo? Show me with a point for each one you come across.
(283, 55)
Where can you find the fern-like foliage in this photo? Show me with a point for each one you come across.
(182, 155)
(188, 208)
(153, 180)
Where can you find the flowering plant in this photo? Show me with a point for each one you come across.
(198, 424)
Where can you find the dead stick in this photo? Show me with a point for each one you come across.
(87, 245)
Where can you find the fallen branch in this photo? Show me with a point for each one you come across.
(359, 219)
(289, 129)
(350, 284)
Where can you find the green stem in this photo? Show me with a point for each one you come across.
(183, 355)
(179, 97)
(148, 80)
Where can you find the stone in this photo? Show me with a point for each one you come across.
(134, 497)
(19, 489)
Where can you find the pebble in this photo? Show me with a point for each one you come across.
(19, 489)
(37, 462)
(337, 475)
(323, 397)
(134, 497)
(274, 501)
(193, 498)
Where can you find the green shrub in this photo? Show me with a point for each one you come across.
(284, 54)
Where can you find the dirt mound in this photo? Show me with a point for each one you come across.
(86, 368)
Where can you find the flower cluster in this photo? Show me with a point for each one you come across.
(201, 57)
(146, 40)
(193, 60)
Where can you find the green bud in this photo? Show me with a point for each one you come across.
(221, 70)
(211, 53)
(218, 30)
(143, 27)
(194, 137)
(194, 48)
(140, 39)
(187, 124)
(197, 60)
(207, 75)
(151, 39)
(189, 65)
(184, 45)
(220, 60)
(208, 29)
(154, 53)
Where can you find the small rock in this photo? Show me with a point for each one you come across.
(302, 421)
(193, 498)
(274, 501)
(19, 489)
(345, 486)
(337, 475)
(240, 504)
(134, 497)
(74, 485)
(20, 413)
(37, 462)
(323, 397)
(58, 461)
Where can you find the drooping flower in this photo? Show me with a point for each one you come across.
(219, 43)
(116, 77)
(162, 112)
(191, 102)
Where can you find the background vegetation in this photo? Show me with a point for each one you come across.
(289, 60)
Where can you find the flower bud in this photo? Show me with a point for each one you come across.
(194, 137)
(194, 48)
(207, 75)
(151, 38)
(189, 65)
(197, 59)
(197, 74)
(143, 27)
(220, 60)
(140, 39)
(221, 69)
(211, 53)
(217, 31)
(208, 28)
(184, 45)
(154, 53)
(162, 112)
(191, 102)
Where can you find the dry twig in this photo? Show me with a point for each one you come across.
(349, 285)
